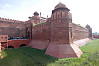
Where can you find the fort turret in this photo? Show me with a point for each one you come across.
(89, 30)
(60, 24)
(35, 19)
(60, 45)
(36, 13)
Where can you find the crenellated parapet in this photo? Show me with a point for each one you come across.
(10, 20)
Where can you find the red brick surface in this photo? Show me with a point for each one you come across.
(63, 51)
(96, 36)
(0, 50)
(39, 44)
(16, 43)
(12, 29)
(78, 32)
(3, 38)
(57, 33)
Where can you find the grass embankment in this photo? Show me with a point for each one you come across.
(40, 23)
(27, 56)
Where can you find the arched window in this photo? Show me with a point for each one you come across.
(71, 32)
(65, 14)
(27, 33)
(56, 15)
(44, 30)
(61, 20)
(53, 16)
(61, 14)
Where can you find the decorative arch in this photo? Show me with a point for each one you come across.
(27, 33)
(22, 45)
(10, 47)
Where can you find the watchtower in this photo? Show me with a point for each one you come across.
(60, 46)
(89, 31)
(60, 24)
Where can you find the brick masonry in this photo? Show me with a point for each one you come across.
(56, 33)
(0, 50)
(96, 36)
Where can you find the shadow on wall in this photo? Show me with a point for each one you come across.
(11, 47)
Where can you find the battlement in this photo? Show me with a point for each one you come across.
(10, 20)
(80, 26)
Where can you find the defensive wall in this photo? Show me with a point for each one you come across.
(78, 32)
(12, 28)
(96, 36)
(56, 34)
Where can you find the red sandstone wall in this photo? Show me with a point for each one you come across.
(11, 32)
(16, 43)
(36, 20)
(60, 26)
(12, 29)
(41, 32)
(22, 32)
(96, 36)
(12, 24)
(28, 28)
(3, 38)
(0, 50)
(78, 32)
(60, 31)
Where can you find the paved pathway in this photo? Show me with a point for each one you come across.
(81, 42)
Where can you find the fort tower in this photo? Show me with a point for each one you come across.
(60, 45)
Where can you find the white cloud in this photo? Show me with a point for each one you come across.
(7, 5)
(25, 3)
(4, 6)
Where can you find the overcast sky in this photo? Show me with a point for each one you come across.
(83, 11)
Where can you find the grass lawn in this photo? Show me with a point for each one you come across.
(27, 56)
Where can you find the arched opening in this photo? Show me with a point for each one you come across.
(56, 15)
(53, 16)
(61, 14)
(10, 47)
(27, 33)
(22, 45)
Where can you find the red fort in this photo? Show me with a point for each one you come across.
(57, 34)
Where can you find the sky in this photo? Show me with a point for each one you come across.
(83, 11)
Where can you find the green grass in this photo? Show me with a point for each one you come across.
(27, 56)
(40, 23)
(79, 25)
